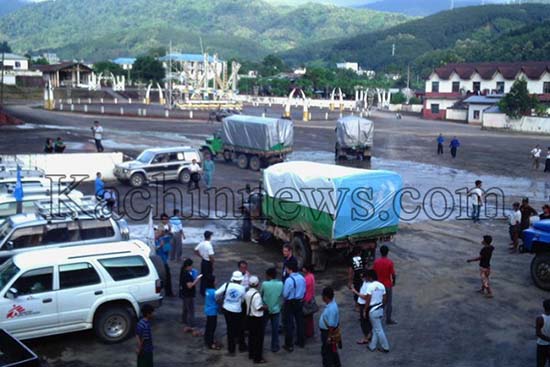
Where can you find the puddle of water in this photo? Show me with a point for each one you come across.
(193, 235)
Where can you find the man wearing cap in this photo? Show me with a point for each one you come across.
(255, 320)
(232, 294)
(205, 251)
(293, 293)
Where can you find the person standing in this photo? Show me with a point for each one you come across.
(294, 290)
(272, 290)
(542, 324)
(208, 169)
(48, 147)
(514, 222)
(178, 236)
(205, 251)
(476, 195)
(232, 295)
(535, 155)
(440, 141)
(99, 186)
(527, 212)
(97, 130)
(195, 171)
(144, 337)
(243, 268)
(385, 272)
(163, 244)
(361, 295)
(59, 146)
(484, 259)
(356, 269)
(255, 321)
(547, 161)
(309, 297)
(455, 143)
(211, 312)
(328, 322)
(188, 280)
(288, 259)
(376, 298)
(545, 212)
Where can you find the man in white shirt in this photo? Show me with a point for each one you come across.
(476, 198)
(178, 236)
(97, 130)
(514, 222)
(376, 298)
(361, 295)
(195, 170)
(205, 251)
(255, 320)
(232, 294)
(535, 154)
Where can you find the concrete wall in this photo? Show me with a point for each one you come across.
(527, 124)
(414, 108)
(457, 115)
(70, 163)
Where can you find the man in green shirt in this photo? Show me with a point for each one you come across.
(272, 290)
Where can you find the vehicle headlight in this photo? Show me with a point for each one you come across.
(124, 170)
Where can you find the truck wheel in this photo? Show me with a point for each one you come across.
(255, 163)
(113, 324)
(540, 271)
(137, 180)
(242, 161)
(320, 260)
(301, 251)
(227, 155)
(185, 176)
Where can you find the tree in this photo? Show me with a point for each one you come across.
(5, 47)
(518, 102)
(40, 61)
(398, 98)
(147, 68)
(107, 67)
(272, 65)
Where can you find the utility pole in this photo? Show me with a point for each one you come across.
(393, 49)
(170, 76)
(2, 82)
(408, 77)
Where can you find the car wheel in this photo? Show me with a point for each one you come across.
(113, 324)
(227, 155)
(540, 271)
(255, 163)
(185, 176)
(242, 161)
(301, 251)
(137, 180)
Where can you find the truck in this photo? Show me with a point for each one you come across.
(536, 240)
(253, 142)
(354, 138)
(322, 209)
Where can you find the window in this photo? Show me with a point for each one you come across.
(546, 88)
(456, 87)
(500, 87)
(60, 233)
(477, 113)
(77, 275)
(7, 271)
(17, 64)
(27, 237)
(176, 157)
(435, 87)
(477, 86)
(434, 108)
(35, 281)
(123, 268)
(94, 228)
(160, 158)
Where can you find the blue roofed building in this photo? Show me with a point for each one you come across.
(127, 63)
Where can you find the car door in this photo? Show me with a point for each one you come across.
(34, 307)
(155, 170)
(79, 287)
(175, 160)
(24, 239)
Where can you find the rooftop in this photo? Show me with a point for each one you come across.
(489, 99)
(64, 65)
(187, 57)
(508, 70)
(124, 60)
(10, 56)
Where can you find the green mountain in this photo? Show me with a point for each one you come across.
(465, 34)
(248, 29)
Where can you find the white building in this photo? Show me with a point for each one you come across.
(353, 66)
(16, 71)
(127, 63)
(14, 62)
(454, 83)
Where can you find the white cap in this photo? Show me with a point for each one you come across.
(253, 281)
(237, 276)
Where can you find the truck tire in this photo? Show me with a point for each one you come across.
(242, 161)
(227, 156)
(113, 324)
(540, 271)
(301, 251)
(255, 163)
(137, 180)
(319, 259)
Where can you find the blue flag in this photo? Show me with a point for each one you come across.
(18, 192)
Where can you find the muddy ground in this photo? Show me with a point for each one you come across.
(441, 320)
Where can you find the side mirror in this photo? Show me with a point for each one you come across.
(9, 245)
(12, 293)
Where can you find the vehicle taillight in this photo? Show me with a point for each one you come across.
(158, 286)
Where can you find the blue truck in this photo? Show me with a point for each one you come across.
(536, 240)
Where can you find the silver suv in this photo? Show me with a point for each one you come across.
(59, 225)
(158, 164)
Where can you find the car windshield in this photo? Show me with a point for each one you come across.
(145, 157)
(5, 229)
(7, 271)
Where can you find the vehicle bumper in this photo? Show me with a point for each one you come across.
(120, 174)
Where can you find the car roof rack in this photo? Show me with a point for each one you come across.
(66, 207)
(12, 173)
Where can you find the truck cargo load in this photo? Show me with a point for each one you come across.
(333, 203)
(354, 132)
(257, 133)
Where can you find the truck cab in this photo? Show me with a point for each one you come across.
(536, 240)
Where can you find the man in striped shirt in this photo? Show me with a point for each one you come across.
(144, 336)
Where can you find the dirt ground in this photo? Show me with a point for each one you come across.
(441, 319)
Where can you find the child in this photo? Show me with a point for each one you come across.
(211, 312)
(145, 338)
(484, 259)
(188, 280)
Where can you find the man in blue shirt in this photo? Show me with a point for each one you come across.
(329, 320)
(99, 186)
(144, 337)
(178, 236)
(208, 170)
(293, 294)
(440, 141)
(454, 146)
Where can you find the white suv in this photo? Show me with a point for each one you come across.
(55, 291)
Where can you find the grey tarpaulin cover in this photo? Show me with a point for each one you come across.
(255, 132)
(353, 131)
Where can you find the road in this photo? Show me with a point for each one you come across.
(441, 320)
